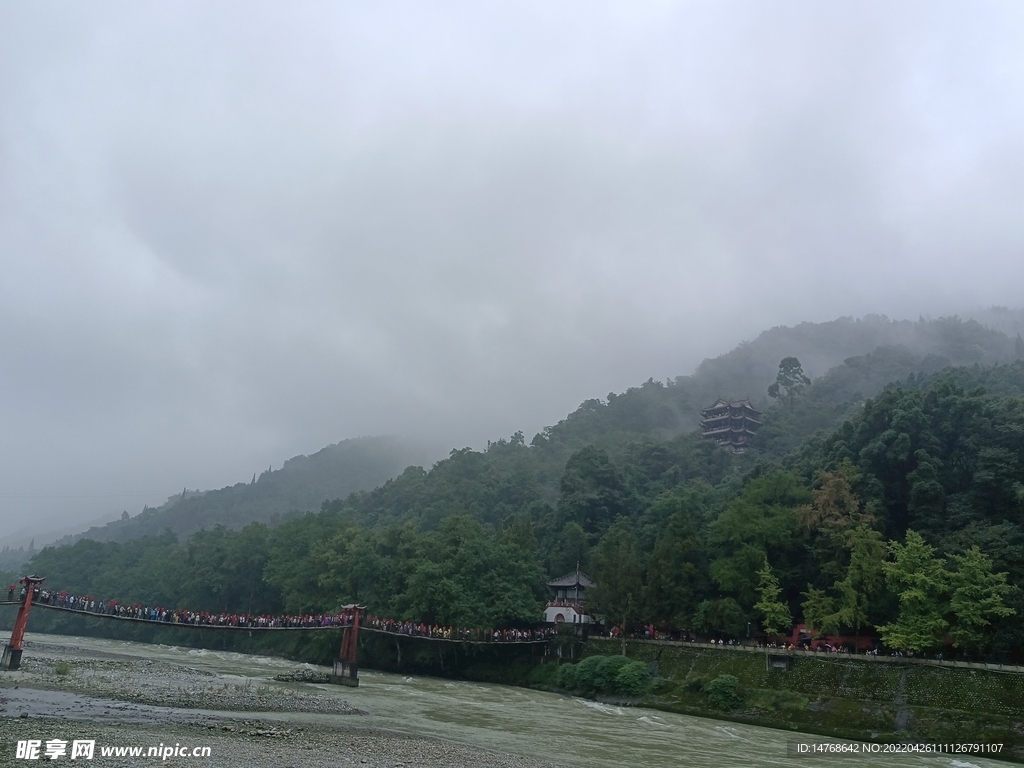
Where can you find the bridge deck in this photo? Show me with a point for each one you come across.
(228, 627)
(1010, 668)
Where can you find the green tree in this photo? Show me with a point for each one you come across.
(633, 679)
(921, 583)
(834, 506)
(593, 491)
(724, 692)
(790, 381)
(352, 570)
(585, 678)
(820, 612)
(571, 549)
(775, 615)
(978, 596)
(864, 579)
(567, 676)
(759, 525)
(607, 673)
(833, 511)
(723, 615)
(618, 589)
(295, 563)
(857, 590)
(463, 577)
(677, 573)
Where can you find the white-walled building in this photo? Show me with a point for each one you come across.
(569, 605)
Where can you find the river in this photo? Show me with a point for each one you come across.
(561, 729)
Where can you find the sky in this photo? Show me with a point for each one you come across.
(231, 233)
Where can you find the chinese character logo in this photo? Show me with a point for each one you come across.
(29, 750)
(82, 749)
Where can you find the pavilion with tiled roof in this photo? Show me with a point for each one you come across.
(569, 605)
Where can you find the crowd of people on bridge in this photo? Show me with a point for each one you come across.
(462, 634)
(343, 618)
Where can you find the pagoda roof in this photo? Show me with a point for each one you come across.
(572, 579)
(721, 404)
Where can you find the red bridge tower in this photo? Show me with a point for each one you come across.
(346, 666)
(11, 659)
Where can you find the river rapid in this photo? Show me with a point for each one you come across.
(549, 727)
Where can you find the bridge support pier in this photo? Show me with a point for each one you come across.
(11, 659)
(346, 666)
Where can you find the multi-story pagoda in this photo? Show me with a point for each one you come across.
(730, 424)
(568, 606)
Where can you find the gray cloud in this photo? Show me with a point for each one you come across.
(234, 233)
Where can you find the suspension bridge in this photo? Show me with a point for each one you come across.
(350, 621)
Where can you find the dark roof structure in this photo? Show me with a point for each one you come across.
(730, 424)
(573, 579)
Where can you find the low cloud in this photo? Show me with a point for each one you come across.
(234, 233)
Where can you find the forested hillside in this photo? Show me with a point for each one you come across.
(876, 351)
(862, 508)
(300, 485)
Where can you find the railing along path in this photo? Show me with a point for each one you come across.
(798, 653)
(829, 656)
(245, 628)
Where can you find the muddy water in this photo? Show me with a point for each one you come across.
(561, 729)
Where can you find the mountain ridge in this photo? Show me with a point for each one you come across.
(852, 358)
(302, 484)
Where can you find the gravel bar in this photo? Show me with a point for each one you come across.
(63, 693)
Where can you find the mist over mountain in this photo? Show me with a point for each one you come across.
(1008, 320)
(849, 360)
(748, 370)
(302, 484)
(906, 455)
(237, 233)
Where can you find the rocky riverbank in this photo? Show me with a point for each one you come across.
(167, 685)
(65, 693)
(249, 743)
